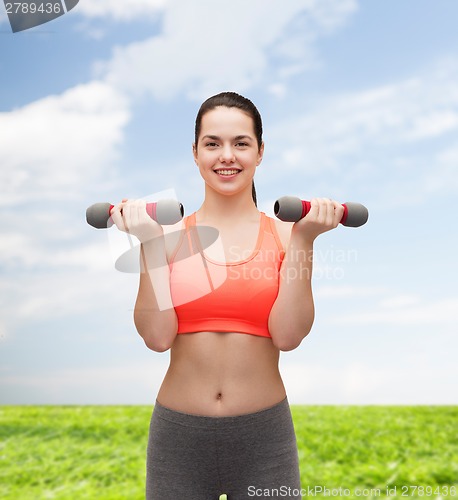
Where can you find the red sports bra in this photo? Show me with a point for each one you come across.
(217, 296)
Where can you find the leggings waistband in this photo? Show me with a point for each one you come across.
(205, 421)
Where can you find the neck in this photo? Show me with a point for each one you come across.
(222, 208)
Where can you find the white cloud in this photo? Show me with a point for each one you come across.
(67, 292)
(372, 138)
(15, 249)
(432, 124)
(52, 152)
(120, 10)
(278, 90)
(55, 146)
(135, 383)
(3, 331)
(399, 301)
(346, 291)
(442, 176)
(205, 48)
(414, 381)
(441, 312)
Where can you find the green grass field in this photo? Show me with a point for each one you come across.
(98, 452)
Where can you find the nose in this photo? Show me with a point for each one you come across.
(227, 155)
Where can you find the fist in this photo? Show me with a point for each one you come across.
(130, 216)
(324, 215)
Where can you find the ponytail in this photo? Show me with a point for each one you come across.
(253, 194)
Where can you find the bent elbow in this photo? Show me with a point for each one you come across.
(290, 347)
(158, 341)
(157, 344)
(288, 342)
(157, 335)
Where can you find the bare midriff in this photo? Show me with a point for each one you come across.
(222, 374)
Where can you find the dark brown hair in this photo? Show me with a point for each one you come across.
(232, 100)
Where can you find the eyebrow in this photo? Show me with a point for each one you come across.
(236, 138)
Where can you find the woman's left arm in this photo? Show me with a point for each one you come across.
(293, 312)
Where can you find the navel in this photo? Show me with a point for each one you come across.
(219, 396)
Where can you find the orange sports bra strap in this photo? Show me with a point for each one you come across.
(189, 234)
(195, 245)
(189, 230)
(190, 220)
(193, 235)
(273, 230)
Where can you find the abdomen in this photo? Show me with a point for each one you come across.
(213, 373)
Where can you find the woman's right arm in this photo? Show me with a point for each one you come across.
(154, 314)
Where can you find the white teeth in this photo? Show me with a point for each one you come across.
(227, 172)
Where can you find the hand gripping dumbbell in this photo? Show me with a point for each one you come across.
(292, 209)
(165, 212)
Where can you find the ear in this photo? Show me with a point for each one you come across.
(194, 151)
(260, 154)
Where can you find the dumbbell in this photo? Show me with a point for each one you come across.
(292, 209)
(165, 212)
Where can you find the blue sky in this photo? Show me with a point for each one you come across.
(359, 102)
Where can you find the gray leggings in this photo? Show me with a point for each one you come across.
(193, 457)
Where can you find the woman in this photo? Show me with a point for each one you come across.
(221, 423)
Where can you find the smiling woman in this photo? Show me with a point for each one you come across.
(227, 155)
(226, 103)
(222, 420)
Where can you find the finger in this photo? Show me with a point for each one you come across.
(327, 212)
(126, 216)
(322, 211)
(115, 214)
(338, 212)
(314, 209)
(134, 214)
(141, 212)
(119, 206)
(330, 212)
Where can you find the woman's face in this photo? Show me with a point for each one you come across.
(227, 152)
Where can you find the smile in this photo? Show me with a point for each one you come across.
(226, 171)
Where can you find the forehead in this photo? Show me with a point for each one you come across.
(223, 121)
